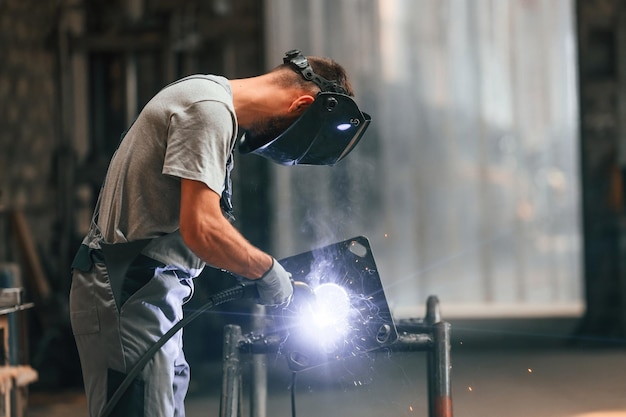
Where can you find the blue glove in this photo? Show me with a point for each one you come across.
(275, 286)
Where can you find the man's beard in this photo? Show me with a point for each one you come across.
(266, 130)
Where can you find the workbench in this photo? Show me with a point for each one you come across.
(14, 376)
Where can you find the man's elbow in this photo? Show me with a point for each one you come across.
(200, 237)
(192, 235)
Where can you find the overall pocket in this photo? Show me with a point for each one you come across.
(83, 310)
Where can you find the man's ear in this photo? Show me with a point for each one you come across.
(300, 104)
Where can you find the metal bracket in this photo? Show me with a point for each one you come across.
(430, 334)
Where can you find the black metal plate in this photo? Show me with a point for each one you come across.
(349, 264)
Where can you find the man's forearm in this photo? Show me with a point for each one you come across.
(222, 246)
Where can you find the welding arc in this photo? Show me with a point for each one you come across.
(229, 294)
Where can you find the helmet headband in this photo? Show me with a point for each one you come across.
(301, 65)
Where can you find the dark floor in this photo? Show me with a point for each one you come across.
(536, 378)
(502, 383)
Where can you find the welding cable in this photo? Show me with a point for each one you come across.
(293, 394)
(229, 294)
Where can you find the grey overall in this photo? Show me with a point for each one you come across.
(122, 301)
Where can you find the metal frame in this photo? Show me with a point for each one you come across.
(430, 334)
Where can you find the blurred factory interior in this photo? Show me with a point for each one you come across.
(492, 177)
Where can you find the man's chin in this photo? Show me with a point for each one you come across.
(262, 133)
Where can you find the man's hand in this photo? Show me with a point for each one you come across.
(275, 286)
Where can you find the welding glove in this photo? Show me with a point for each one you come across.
(275, 286)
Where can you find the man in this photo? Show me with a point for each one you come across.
(161, 216)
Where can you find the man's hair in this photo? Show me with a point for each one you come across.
(324, 67)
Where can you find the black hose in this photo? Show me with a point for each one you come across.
(293, 394)
(229, 294)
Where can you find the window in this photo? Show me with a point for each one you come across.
(467, 182)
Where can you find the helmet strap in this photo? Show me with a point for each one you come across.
(298, 62)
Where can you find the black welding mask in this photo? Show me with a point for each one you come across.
(323, 135)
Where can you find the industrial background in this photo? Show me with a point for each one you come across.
(492, 176)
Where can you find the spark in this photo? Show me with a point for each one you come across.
(327, 319)
(469, 389)
(530, 371)
(337, 321)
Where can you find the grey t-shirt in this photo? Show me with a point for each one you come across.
(187, 130)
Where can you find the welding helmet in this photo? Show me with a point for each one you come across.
(323, 135)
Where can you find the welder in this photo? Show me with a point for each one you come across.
(164, 212)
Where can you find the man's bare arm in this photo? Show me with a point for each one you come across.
(210, 236)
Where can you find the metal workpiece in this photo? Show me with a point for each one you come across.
(259, 343)
(433, 313)
(430, 335)
(230, 400)
(439, 371)
(412, 342)
(338, 310)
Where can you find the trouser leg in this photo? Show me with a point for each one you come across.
(181, 384)
(94, 318)
(109, 340)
